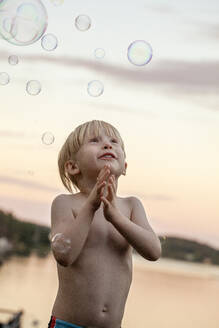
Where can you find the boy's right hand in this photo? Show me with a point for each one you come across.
(94, 199)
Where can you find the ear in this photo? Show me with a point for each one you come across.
(71, 167)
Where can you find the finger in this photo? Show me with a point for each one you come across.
(114, 187)
(103, 175)
(100, 186)
(105, 201)
(110, 191)
(114, 184)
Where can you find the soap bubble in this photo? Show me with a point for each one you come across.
(95, 88)
(33, 87)
(22, 23)
(139, 53)
(13, 60)
(83, 22)
(4, 78)
(60, 243)
(48, 138)
(99, 53)
(57, 2)
(49, 42)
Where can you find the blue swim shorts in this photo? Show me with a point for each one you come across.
(57, 323)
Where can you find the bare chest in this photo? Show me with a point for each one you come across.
(103, 234)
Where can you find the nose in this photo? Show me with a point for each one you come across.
(107, 145)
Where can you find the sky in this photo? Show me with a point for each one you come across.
(166, 111)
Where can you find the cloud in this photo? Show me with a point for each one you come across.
(175, 77)
(26, 184)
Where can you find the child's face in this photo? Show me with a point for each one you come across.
(88, 157)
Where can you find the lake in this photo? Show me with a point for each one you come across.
(165, 293)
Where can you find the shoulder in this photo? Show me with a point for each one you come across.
(128, 202)
(136, 207)
(62, 208)
(133, 201)
(61, 201)
(64, 197)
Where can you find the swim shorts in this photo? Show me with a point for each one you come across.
(57, 323)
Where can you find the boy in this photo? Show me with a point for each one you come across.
(94, 231)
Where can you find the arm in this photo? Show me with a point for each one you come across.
(138, 232)
(68, 232)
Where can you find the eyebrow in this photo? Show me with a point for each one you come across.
(99, 136)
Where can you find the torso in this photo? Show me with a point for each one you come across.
(93, 291)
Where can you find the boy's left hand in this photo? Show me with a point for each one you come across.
(110, 209)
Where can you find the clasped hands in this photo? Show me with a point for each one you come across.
(110, 209)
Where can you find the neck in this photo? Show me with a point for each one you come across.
(86, 188)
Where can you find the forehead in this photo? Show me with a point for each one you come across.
(100, 131)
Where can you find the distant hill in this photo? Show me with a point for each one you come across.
(188, 250)
(23, 238)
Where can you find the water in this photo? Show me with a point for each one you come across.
(165, 293)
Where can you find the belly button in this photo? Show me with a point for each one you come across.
(104, 309)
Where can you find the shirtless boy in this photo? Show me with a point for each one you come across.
(93, 232)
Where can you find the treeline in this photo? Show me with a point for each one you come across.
(22, 238)
(188, 250)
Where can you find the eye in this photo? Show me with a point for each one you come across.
(94, 139)
(114, 140)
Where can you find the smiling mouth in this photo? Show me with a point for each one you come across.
(107, 158)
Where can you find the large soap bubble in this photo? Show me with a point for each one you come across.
(22, 22)
(139, 52)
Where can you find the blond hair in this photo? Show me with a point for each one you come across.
(73, 144)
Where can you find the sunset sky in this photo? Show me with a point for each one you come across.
(167, 111)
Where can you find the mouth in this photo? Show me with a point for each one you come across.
(107, 158)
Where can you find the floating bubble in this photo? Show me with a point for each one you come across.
(95, 88)
(99, 53)
(49, 42)
(4, 78)
(60, 243)
(48, 138)
(13, 60)
(33, 87)
(57, 2)
(83, 22)
(139, 53)
(22, 23)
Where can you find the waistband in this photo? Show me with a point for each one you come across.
(57, 323)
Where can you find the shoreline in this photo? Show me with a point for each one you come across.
(163, 265)
(172, 266)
